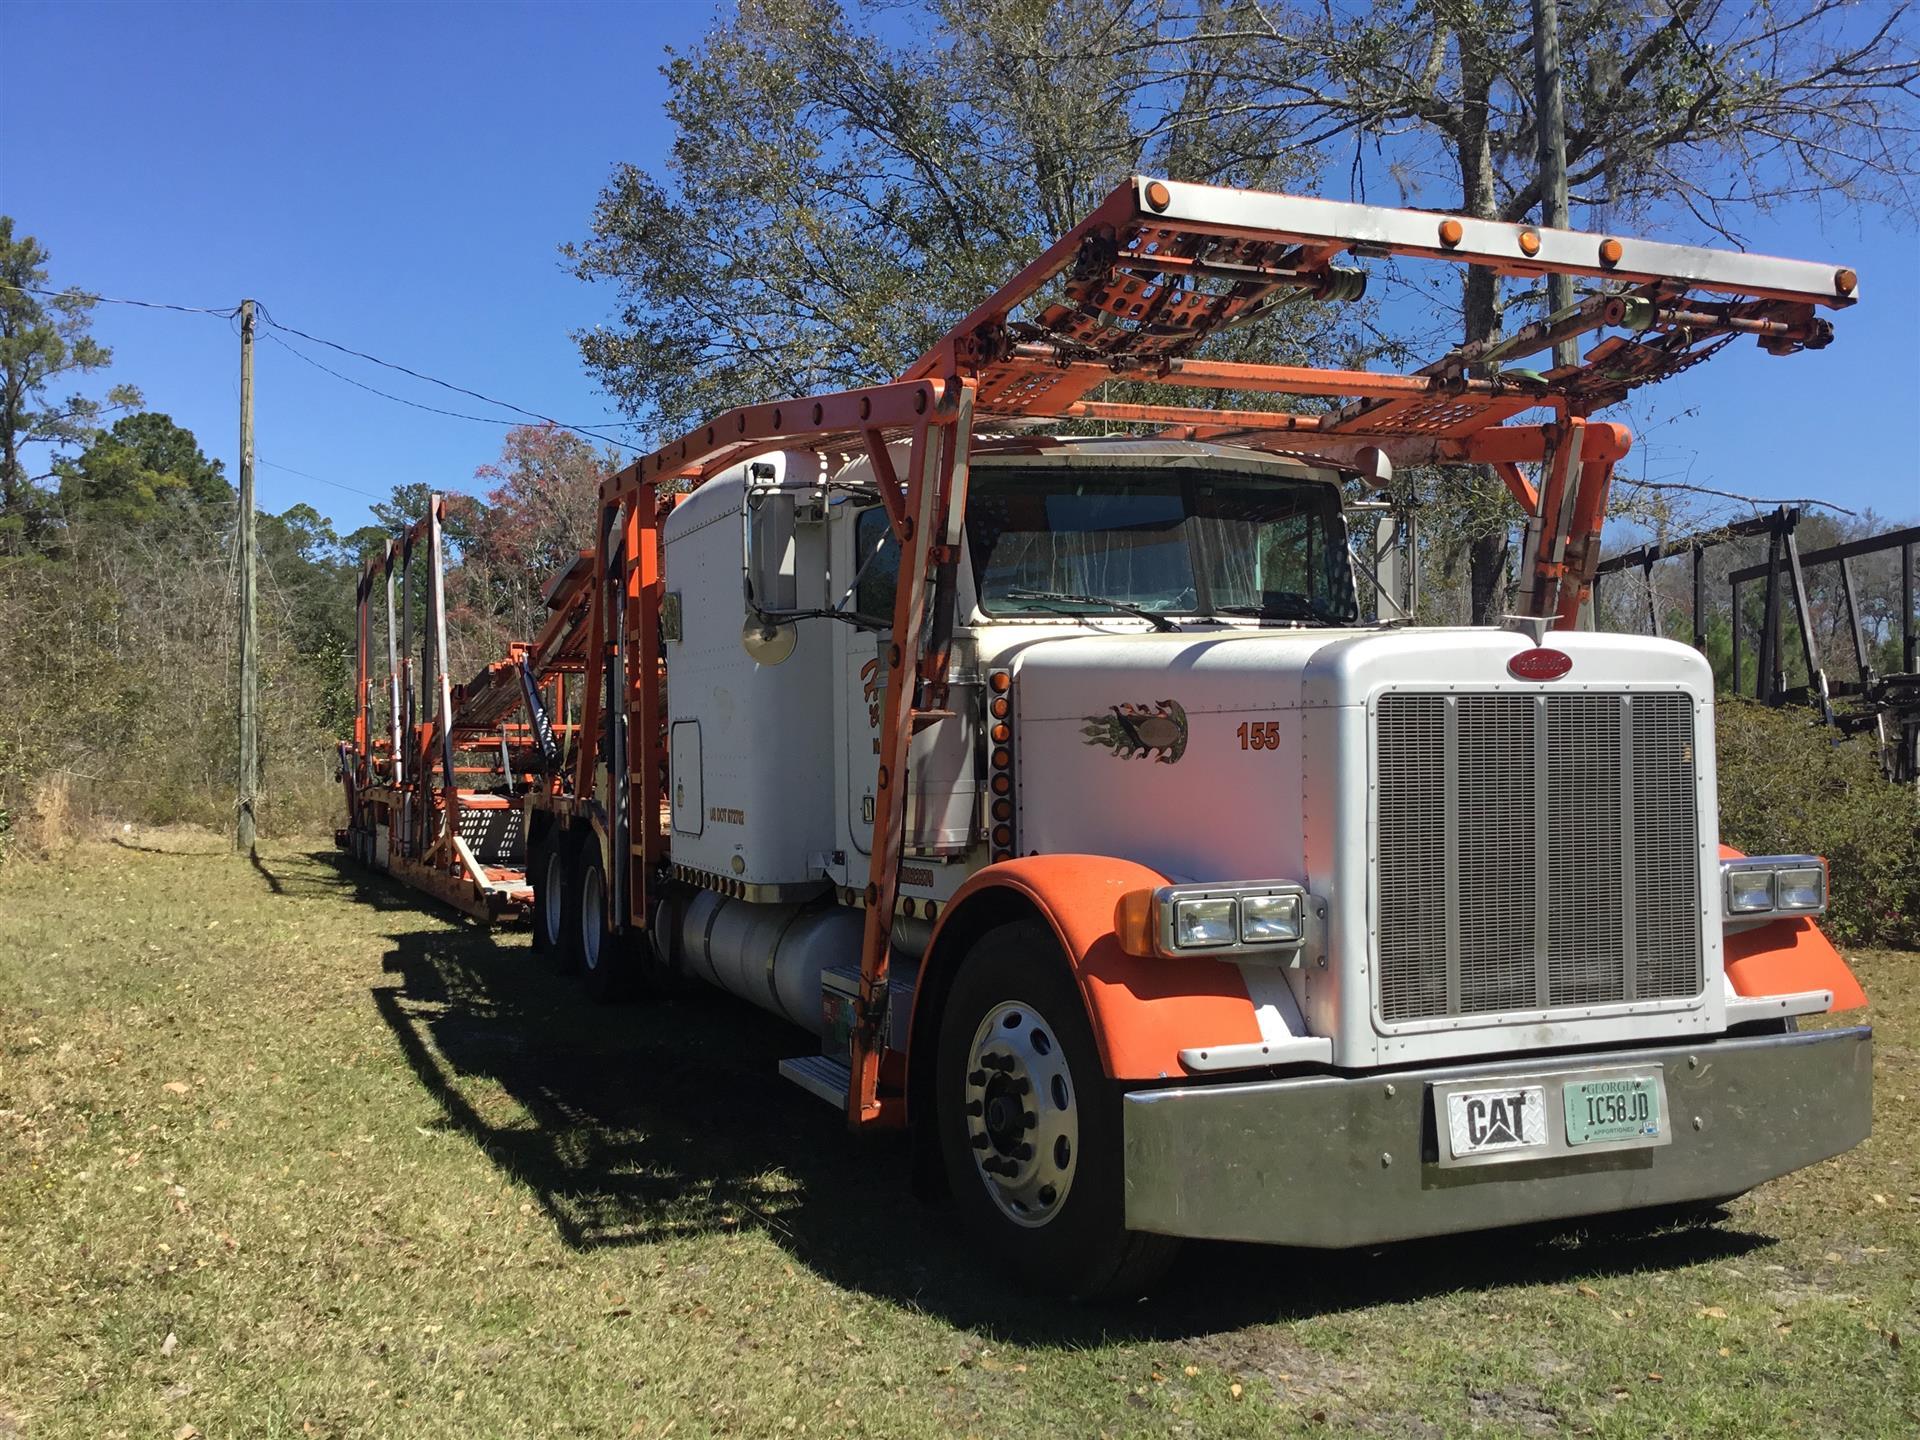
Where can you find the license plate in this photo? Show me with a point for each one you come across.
(1493, 1121)
(1622, 1108)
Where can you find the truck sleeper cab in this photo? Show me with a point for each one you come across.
(1222, 913)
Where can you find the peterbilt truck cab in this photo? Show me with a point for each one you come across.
(1222, 911)
(1063, 796)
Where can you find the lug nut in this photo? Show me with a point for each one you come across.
(974, 1107)
(1029, 1120)
(1022, 1085)
(1048, 1195)
(980, 1142)
(976, 1077)
(1023, 1150)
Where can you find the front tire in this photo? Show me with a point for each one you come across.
(1030, 1127)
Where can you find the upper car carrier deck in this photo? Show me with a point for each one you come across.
(1132, 293)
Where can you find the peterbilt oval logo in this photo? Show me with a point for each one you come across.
(1539, 664)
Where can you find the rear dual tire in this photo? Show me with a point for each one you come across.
(552, 862)
(592, 949)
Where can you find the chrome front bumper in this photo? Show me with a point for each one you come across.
(1332, 1161)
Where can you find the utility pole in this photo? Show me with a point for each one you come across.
(243, 832)
(1550, 123)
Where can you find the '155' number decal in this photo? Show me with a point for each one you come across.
(1259, 734)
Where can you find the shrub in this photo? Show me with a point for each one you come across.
(1789, 786)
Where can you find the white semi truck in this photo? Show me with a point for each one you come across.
(1059, 785)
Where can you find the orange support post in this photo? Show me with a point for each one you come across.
(930, 513)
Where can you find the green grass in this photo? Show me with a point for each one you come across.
(375, 1173)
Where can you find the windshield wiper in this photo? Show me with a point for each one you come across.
(1298, 607)
(1158, 621)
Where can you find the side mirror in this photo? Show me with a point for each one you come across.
(771, 562)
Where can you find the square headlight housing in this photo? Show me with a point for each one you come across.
(1270, 920)
(1749, 891)
(1760, 887)
(1205, 922)
(1801, 889)
(1258, 919)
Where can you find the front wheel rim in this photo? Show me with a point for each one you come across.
(593, 910)
(1021, 1113)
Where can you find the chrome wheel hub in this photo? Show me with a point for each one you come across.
(1023, 1125)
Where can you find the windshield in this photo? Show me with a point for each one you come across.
(1179, 541)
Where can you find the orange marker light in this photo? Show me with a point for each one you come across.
(1158, 196)
(1610, 251)
(998, 708)
(1000, 682)
(1001, 759)
(1844, 280)
(1002, 836)
(1001, 784)
(1003, 809)
(1529, 242)
(1133, 922)
(1451, 232)
(1001, 734)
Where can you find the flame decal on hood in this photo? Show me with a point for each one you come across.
(1140, 732)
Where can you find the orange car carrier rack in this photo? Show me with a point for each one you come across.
(1128, 295)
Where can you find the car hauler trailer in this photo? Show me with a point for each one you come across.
(1056, 784)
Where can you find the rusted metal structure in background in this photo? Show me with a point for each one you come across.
(1127, 295)
(1887, 704)
(420, 743)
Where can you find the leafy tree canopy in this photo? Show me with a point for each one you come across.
(143, 468)
(835, 199)
(847, 179)
(44, 341)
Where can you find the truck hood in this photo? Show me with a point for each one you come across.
(1065, 676)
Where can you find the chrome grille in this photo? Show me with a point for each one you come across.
(1535, 852)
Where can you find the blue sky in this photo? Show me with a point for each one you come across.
(398, 179)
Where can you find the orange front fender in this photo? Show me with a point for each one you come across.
(1144, 1009)
(1786, 957)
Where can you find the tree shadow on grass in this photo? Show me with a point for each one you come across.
(666, 1118)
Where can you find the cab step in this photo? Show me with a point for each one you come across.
(820, 1075)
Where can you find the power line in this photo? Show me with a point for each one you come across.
(1753, 500)
(318, 479)
(230, 312)
(388, 395)
(443, 384)
(88, 295)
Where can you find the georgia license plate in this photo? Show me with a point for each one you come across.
(1619, 1108)
(1487, 1122)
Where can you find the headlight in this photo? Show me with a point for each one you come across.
(1749, 890)
(1759, 886)
(1269, 919)
(1263, 918)
(1804, 888)
(1203, 924)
